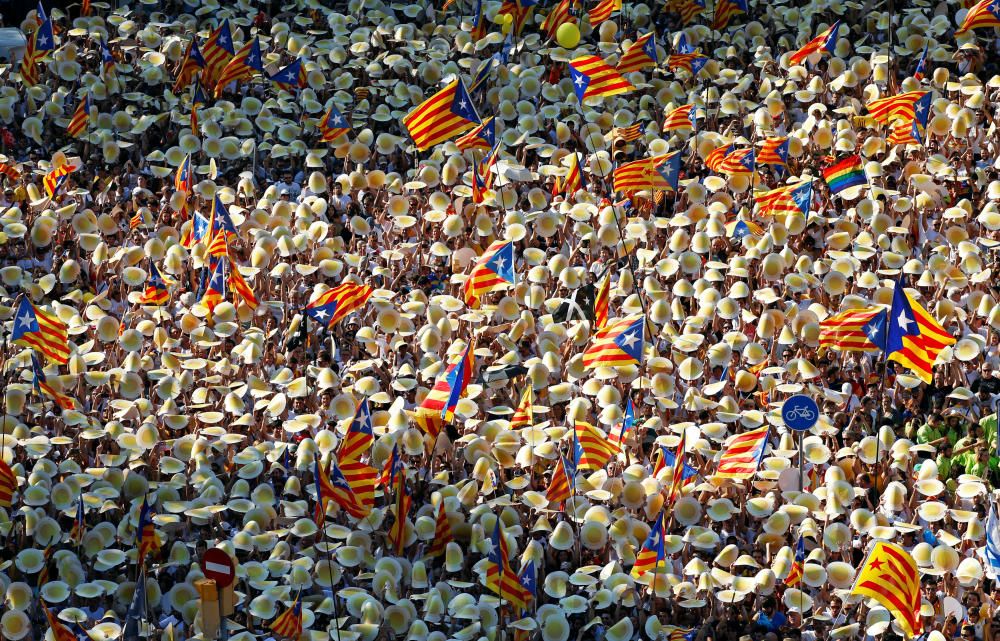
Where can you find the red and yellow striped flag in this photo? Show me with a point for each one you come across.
(890, 576)
(743, 455)
(594, 78)
(442, 533)
(603, 11)
(523, 415)
(444, 115)
(593, 449)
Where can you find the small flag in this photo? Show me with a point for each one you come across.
(148, 539)
(500, 578)
(41, 386)
(738, 161)
(795, 573)
(563, 479)
(192, 63)
(688, 10)
(790, 199)
(602, 301)
(690, 62)
(442, 533)
(359, 437)
(41, 331)
(618, 436)
(724, 12)
(918, 73)
(483, 136)
(774, 151)
(335, 304)
(240, 287)
(825, 41)
(289, 623)
(617, 345)
(218, 52)
(444, 115)
(393, 466)
(901, 107)
(847, 173)
(493, 270)
(523, 415)
(652, 555)
(656, 173)
(482, 74)
(679, 119)
(184, 178)
(677, 479)
(603, 11)
(557, 17)
(292, 76)
(905, 133)
(241, 66)
(333, 125)
(8, 485)
(81, 118)
(397, 532)
(743, 454)
(59, 630)
(55, 179)
(215, 293)
(594, 78)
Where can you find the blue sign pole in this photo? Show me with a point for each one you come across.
(800, 413)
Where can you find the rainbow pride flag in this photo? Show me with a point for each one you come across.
(847, 173)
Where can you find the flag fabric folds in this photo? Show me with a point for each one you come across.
(738, 161)
(557, 17)
(691, 62)
(241, 66)
(618, 435)
(774, 151)
(457, 379)
(652, 555)
(238, 285)
(333, 305)
(918, 73)
(500, 578)
(483, 136)
(855, 330)
(603, 10)
(442, 533)
(441, 117)
(81, 118)
(217, 53)
(602, 301)
(333, 125)
(790, 199)
(148, 540)
(679, 119)
(8, 485)
(677, 478)
(392, 467)
(914, 338)
(292, 76)
(743, 454)
(903, 106)
(59, 630)
(215, 293)
(493, 270)
(523, 415)
(359, 437)
(561, 483)
(289, 623)
(618, 344)
(192, 63)
(905, 133)
(666, 459)
(795, 573)
(55, 179)
(725, 10)
(844, 174)
(639, 55)
(42, 386)
(592, 450)
(990, 552)
(688, 10)
(397, 532)
(594, 78)
(889, 575)
(41, 331)
(156, 292)
(825, 41)
(659, 172)
(985, 13)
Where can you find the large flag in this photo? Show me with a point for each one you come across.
(442, 533)
(483, 136)
(359, 437)
(289, 623)
(493, 270)
(42, 386)
(618, 344)
(444, 115)
(500, 578)
(795, 573)
(523, 415)
(217, 53)
(903, 106)
(192, 63)
(333, 305)
(774, 151)
(743, 454)
(738, 161)
(603, 11)
(658, 172)
(640, 54)
(844, 174)
(8, 484)
(361, 478)
(890, 576)
(914, 337)
(333, 125)
(241, 66)
(594, 78)
(790, 199)
(591, 449)
(81, 118)
(724, 12)
(41, 331)
(856, 330)
(679, 119)
(825, 41)
(562, 481)
(652, 555)
(148, 540)
(558, 16)
(990, 552)
(906, 133)
(397, 532)
(156, 292)
(985, 13)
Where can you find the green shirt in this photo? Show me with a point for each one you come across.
(989, 425)
(944, 467)
(927, 433)
(973, 466)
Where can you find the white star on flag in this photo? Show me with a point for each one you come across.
(25, 319)
(630, 339)
(321, 314)
(903, 322)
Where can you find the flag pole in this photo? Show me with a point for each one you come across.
(333, 590)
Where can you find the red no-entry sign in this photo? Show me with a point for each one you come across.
(218, 566)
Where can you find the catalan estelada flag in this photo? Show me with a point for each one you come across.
(901, 107)
(500, 578)
(774, 151)
(292, 76)
(640, 54)
(361, 478)
(193, 63)
(677, 478)
(397, 532)
(743, 454)
(557, 17)
(483, 136)
(493, 270)
(918, 73)
(652, 554)
(617, 345)
(344, 495)
(795, 573)
(692, 62)
(478, 23)
(324, 491)
(688, 10)
(591, 449)
(483, 72)
(844, 174)
(631, 133)
(41, 331)
(217, 54)
(196, 231)
(156, 290)
(825, 41)
(457, 378)
(215, 293)
(59, 630)
(738, 161)
(985, 13)
(359, 437)
(889, 575)
(520, 10)
(594, 78)
(602, 301)
(905, 133)
(393, 466)
(665, 458)
(147, 539)
(241, 66)
(442, 533)
(562, 481)
(240, 288)
(8, 485)
(855, 330)
(524, 416)
(618, 435)
(289, 623)
(740, 228)
(656, 173)
(333, 305)
(333, 125)
(9, 171)
(914, 337)
(603, 10)
(81, 118)
(715, 157)
(573, 180)
(724, 12)
(789, 199)
(679, 119)
(184, 178)
(55, 179)
(41, 385)
(441, 117)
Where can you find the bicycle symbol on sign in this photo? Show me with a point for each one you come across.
(804, 413)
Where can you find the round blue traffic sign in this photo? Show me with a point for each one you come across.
(800, 412)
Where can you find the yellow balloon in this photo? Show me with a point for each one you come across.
(568, 35)
(506, 23)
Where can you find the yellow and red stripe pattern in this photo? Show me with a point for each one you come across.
(217, 53)
(688, 10)
(640, 54)
(333, 125)
(41, 331)
(679, 119)
(42, 386)
(985, 13)
(591, 450)
(493, 270)
(647, 174)
(790, 199)
(901, 107)
(500, 578)
(743, 455)
(81, 118)
(795, 573)
(594, 78)
(289, 623)
(725, 10)
(243, 65)
(524, 416)
(397, 532)
(148, 540)
(906, 133)
(442, 533)
(192, 63)
(240, 288)
(890, 576)
(617, 345)
(557, 17)
(774, 151)
(677, 478)
(603, 11)
(59, 630)
(441, 117)
(915, 338)
(560, 483)
(8, 485)
(825, 41)
(335, 304)
(602, 301)
(854, 330)
(359, 437)
(156, 289)
(652, 554)
(482, 136)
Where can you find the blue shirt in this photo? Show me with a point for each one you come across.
(772, 623)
